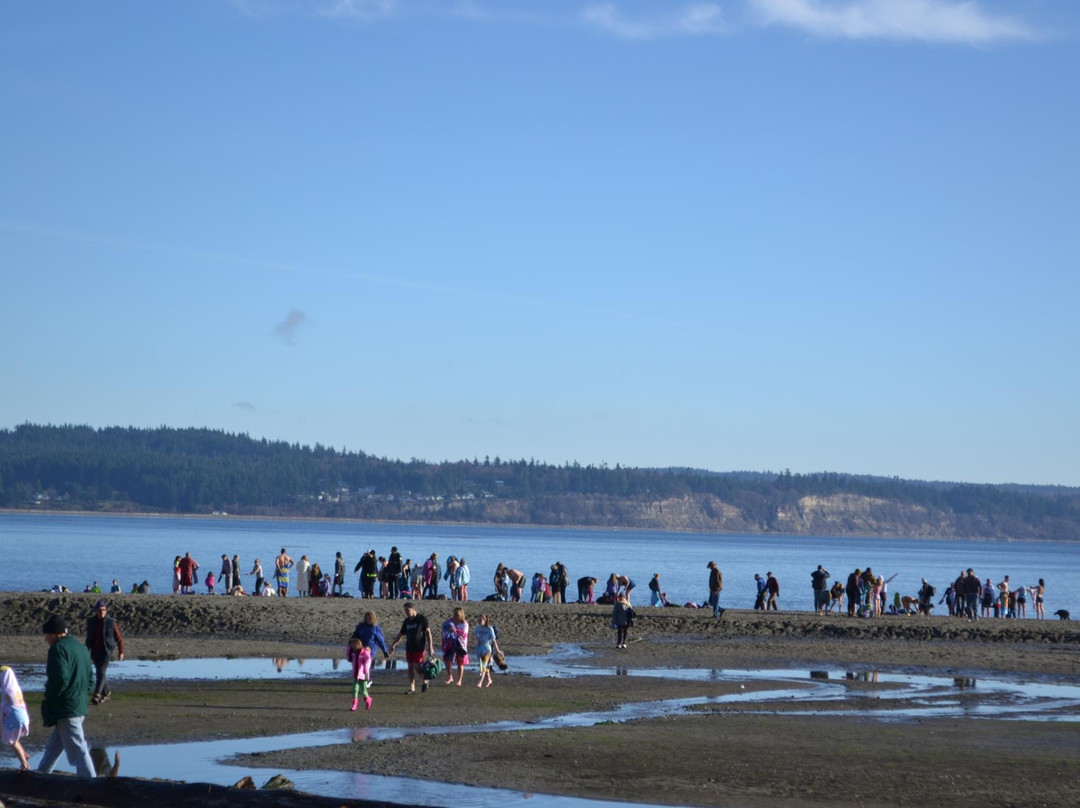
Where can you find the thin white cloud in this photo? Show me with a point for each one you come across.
(359, 9)
(928, 21)
(246, 406)
(690, 20)
(936, 21)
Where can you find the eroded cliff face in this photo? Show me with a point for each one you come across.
(836, 515)
(843, 514)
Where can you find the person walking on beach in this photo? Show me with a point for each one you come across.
(772, 588)
(853, 590)
(450, 576)
(103, 639)
(622, 619)
(455, 645)
(972, 590)
(371, 635)
(716, 586)
(656, 596)
(417, 635)
(1039, 592)
(393, 574)
(431, 577)
(819, 582)
(988, 595)
(339, 576)
(360, 656)
(282, 564)
(463, 578)
(14, 717)
(64, 706)
(236, 573)
(926, 597)
(226, 573)
(487, 644)
(303, 577)
(555, 581)
(759, 598)
(368, 567)
(188, 567)
(257, 571)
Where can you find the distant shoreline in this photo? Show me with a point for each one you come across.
(525, 525)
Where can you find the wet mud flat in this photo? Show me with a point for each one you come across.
(716, 754)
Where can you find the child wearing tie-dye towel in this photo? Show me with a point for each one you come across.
(14, 719)
(360, 657)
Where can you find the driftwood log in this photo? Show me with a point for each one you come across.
(31, 790)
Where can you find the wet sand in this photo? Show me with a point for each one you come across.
(720, 755)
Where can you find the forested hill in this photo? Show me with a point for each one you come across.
(202, 471)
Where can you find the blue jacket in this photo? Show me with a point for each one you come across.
(371, 636)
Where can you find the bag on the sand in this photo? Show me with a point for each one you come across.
(431, 668)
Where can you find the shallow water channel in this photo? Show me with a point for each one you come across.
(902, 697)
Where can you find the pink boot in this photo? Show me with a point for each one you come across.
(367, 702)
(354, 703)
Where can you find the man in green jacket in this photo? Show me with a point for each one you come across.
(68, 677)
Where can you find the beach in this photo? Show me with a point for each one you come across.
(718, 753)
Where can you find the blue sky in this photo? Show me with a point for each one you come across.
(742, 234)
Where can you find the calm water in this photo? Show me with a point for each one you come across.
(43, 550)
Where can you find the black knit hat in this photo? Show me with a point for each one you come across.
(55, 625)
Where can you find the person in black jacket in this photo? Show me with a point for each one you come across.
(103, 639)
(972, 590)
(393, 574)
(819, 581)
(368, 567)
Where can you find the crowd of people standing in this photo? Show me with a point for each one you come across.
(862, 593)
